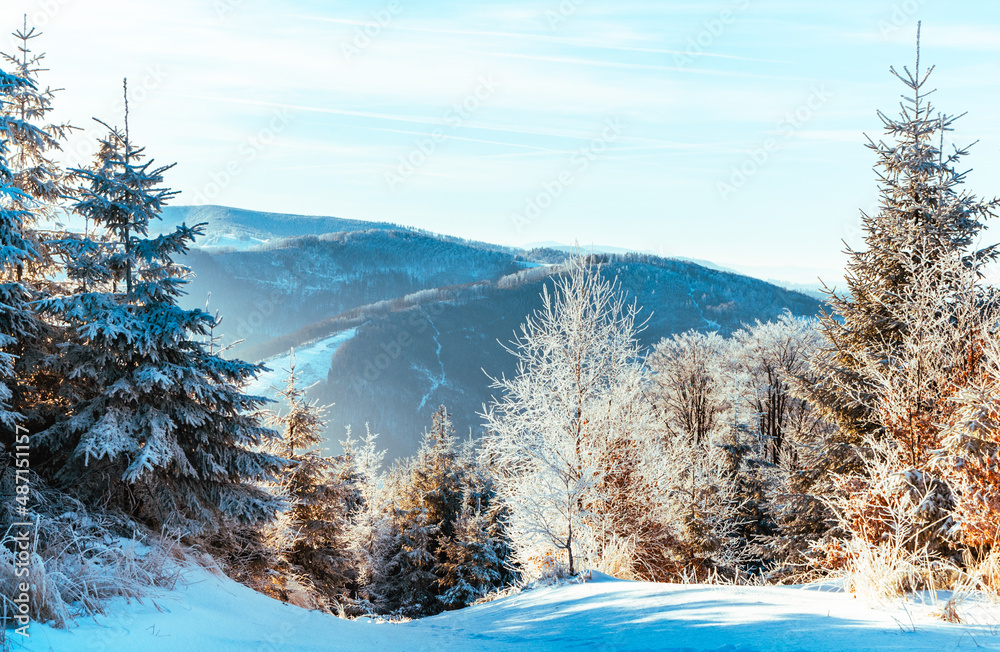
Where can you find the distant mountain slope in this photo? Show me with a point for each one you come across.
(426, 311)
(238, 228)
(274, 289)
(800, 279)
(400, 365)
(242, 229)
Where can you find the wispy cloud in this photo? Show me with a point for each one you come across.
(698, 90)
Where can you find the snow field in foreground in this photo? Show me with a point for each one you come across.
(211, 613)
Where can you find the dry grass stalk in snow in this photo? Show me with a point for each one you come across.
(76, 567)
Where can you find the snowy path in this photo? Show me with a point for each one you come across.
(312, 362)
(214, 614)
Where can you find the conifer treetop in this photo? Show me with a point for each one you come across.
(925, 217)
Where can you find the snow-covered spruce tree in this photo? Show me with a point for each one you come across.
(890, 369)
(447, 544)
(437, 476)
(346, 485)
(309, 532)
(157, 426)
(474, 557)
(369, 539)
(42, 185)
(18, 322)
(551, 436)
(427, 506)
(925, 213)
(408, 584)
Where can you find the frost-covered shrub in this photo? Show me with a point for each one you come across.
(893, 523)
(970, 454)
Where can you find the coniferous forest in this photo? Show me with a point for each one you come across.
(860, 445)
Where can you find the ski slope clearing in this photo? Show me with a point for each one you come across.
(212, 613)
(312, 362)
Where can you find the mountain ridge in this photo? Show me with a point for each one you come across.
(425, 313)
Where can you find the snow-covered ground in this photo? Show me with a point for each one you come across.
(213, 614)
(312, 362)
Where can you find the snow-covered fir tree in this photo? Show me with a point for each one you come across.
(474, 558)
(474, 554)
(369, 538)
(43, 182)
(427, 506)
(157, 425)
(446, 544)
(18, 321)
(926, 215)
(309, 531)
(346, 482)
(42, 187)
(437, 476)
(407, 585)
(906, 339)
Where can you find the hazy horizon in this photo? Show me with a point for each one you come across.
(731, 132)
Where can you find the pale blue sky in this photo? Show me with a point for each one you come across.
(618, 120)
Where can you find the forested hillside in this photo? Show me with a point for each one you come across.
(401, 365)
(453, 303)
(276, 288)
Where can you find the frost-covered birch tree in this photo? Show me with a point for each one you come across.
(691, 391)
(577, 394)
